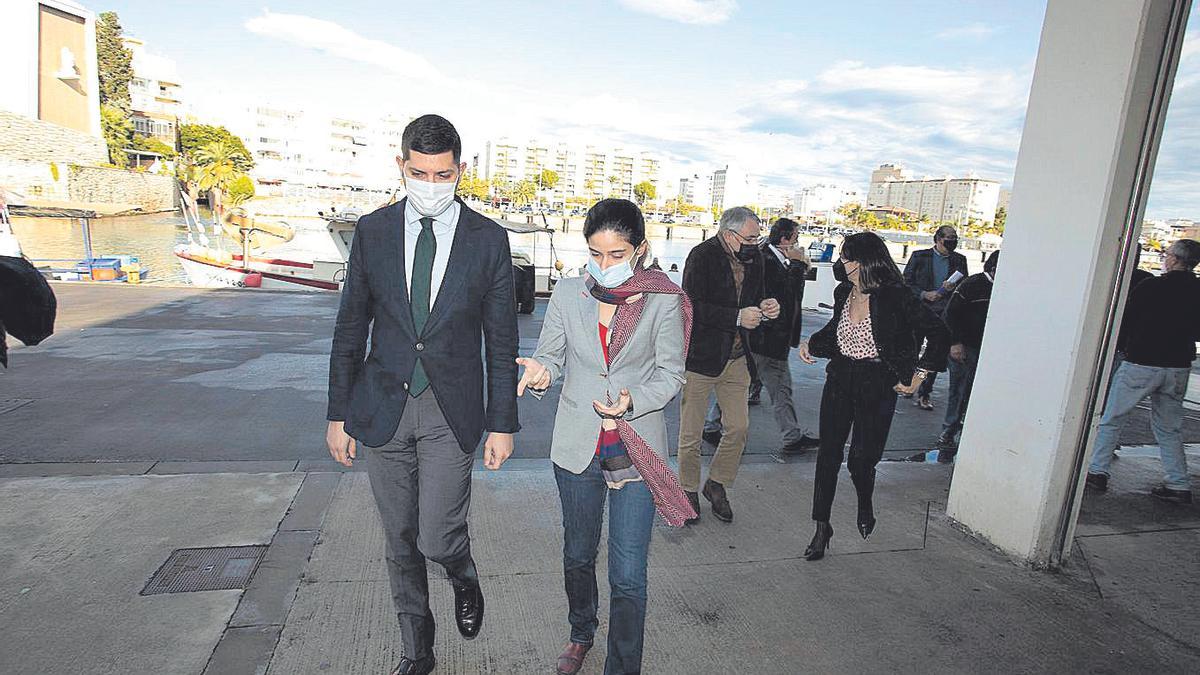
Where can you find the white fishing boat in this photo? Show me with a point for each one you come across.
(209, 265)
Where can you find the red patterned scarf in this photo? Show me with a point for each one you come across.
(669, 499)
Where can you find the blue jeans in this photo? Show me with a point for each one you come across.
(631, 516)
(1166, 388)
(962, 378)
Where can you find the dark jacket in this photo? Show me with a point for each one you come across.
(775, 338)
(475, 305)
(919, 276)
(966, 313)
(708, 281)
(896, 315)
(1161, 325)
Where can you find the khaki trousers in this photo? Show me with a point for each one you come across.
(731, 387)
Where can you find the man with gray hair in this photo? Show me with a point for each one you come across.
(1158, 337)
(723, 277)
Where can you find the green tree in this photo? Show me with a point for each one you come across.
(473, 187)
(241, 190)
(118, 133)
(193, 137)
(644, 191)
(589, 186)
(869, 221)
(716, 213)
(1001, 218)
(613, 181)
(522, 192)
(546, 179)
(218, 170)
(151, 144)
(115, 62)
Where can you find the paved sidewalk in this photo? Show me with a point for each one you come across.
(918, 596)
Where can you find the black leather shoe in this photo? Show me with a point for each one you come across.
(946, 455)
(820, 541)
(713, 438)
(799, 446)
(1169, 495)
(714, 492)
(866, 520)
(409, 667)
(1096, 481)
(694, 500)
(468, 610)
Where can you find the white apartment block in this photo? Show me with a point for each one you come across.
(296, 147)
(731, 186)
(589, 172)
(950, 200)
(822, 201)
(155, 93)
(697, 190)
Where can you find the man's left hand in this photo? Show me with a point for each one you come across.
(496, 449)
(770, 308)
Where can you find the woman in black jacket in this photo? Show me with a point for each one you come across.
(872, 357)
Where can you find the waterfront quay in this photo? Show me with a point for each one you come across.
(160, 418)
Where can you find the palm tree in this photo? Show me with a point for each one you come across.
(217, 170)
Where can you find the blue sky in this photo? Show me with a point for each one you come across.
(796, 92)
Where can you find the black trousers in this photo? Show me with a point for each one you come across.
(858, 395)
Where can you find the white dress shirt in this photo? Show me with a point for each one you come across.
(444, 226)
(779, 254)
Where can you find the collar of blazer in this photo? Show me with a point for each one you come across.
(462, 263)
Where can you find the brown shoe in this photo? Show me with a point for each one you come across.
(571, 660)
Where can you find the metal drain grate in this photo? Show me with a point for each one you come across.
(220, 568)
(11, 404)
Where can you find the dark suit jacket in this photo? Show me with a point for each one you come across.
(474, 304)
(918, 274)
(708, 281)
(896, 315)
(786, 284)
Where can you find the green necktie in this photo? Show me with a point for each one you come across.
(422, 282)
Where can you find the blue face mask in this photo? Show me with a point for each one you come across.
(613, 276)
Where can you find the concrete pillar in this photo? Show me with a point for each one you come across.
(1103, 75)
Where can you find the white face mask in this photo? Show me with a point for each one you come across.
(429, 199)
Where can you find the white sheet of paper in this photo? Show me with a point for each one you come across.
(955, 278)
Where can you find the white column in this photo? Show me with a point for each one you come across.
(1091, 121)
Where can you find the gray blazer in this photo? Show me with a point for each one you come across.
(650, 366)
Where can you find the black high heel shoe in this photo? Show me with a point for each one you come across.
(820, 540)
(866, 520)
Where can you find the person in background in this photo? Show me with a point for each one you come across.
(928, 274)
(674, 267)
(723, 276)
(1158, 338)
(615, 449)
(966, 315)
(872, 357)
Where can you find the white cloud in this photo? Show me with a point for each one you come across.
(337, 40)
(686, 11)
(970, 31)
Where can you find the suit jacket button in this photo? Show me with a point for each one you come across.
(420, 346)
(405, 386)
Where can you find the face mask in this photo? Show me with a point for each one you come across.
(949, 244)
(613, 276)
(839, 271)
(746, 253)
(429, 199)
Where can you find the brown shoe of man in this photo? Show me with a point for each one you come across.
(571, 660)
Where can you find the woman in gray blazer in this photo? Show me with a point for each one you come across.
(619, 337)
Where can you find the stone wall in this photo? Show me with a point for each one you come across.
(30, 140)
(44, 161)
(152, 192)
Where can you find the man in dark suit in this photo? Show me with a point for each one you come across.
(429, 280)
(723, 277)
(928, 274)
(784, 270)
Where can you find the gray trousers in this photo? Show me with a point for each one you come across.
(422, 485)
(776, 376)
